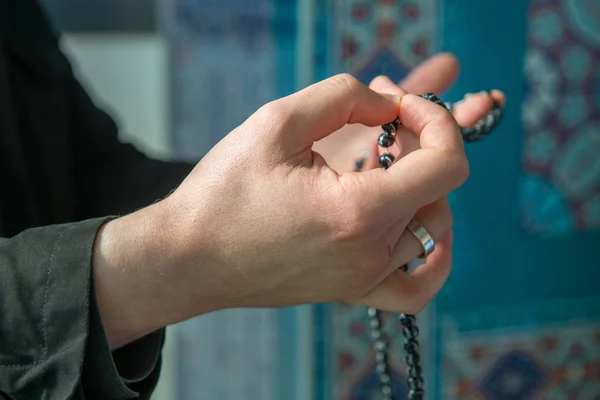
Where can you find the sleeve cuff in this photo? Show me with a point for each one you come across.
(129, 372)
(52, 341)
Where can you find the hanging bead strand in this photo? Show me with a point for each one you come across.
(410, 331)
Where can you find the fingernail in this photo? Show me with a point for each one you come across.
(393, 97)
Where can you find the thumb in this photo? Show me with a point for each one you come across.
(323, 108)
(383, 84)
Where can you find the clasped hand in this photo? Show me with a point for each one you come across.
(264, 221)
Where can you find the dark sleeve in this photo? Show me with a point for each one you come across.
(111, 177)
(52, 343)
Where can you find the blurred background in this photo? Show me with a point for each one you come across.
(519, 317)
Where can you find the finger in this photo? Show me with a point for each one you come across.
(405, 141)
(436, 74)
(356, 139)
(436, 218)
(466, 112)
(427, 174)
(433, 75)
(322, 108)
(476, 106)
(401, 292)
(383, 84)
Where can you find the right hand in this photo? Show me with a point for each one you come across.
(270, 224)
(263, 221)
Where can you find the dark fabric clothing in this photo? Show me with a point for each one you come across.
(62, 173)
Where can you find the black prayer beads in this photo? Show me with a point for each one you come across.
(410, 331)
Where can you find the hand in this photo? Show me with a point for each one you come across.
(426, 281)
(263, 221)
(293, 229)
(342, 148)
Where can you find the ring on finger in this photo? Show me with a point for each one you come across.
(423, 236)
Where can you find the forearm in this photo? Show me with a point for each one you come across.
(142, 279)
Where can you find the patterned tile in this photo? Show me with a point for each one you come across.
(553, 362)
(561, 117)
(515, 376)
(211, 41)
(354, 371)
(384, 37)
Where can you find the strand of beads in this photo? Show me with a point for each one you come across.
(380, 346)
(387, 139)
(410, 330)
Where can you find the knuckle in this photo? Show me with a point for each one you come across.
(448, 221)
(412, 301)
(445, 218)
(379, 81)
(350, 216)
(462, 169)
(346, 82)
(445, 118)
(458, 168)
(272, 118)
(415, 305)
(352, 224)
(273, 112)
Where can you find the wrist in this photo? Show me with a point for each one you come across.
(141, 275)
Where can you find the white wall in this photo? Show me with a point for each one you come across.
(128, 76)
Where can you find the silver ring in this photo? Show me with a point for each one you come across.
(423, 236)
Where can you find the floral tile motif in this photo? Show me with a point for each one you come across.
(384, 37)
(561, 118)
(552, 362)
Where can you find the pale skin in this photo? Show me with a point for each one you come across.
(273, 216)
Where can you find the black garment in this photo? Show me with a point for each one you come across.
(62, 171)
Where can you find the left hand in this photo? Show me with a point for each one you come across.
(344, 147)
(437, 74)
